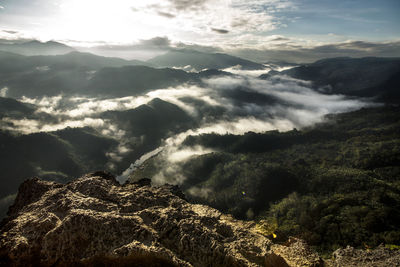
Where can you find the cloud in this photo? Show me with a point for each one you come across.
(3, 91)
(134, 9)
(156, 41)
(10, 36)
(128, 172)
(10, 32)
(275, 38)
(81, 107)
(253, 73)
(185, 5)
(166, 14)
(28, 126)
(184, 154)
(255, 47)
(202, 192)
(293, 51)
(296, 105)
(233, 104)
(197, 47)
(221, 31)
(193, 18)
(142, 49)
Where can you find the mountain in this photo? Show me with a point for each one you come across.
(35, 47)
(91, 61)
(66, 61)
(130, 220)
(81, 73)
(95, 221)
(12, 108)
(135, 80)
(364, 77)
(59, 155)
(200, 60)
(149, 124)
(299, 181)
(157, 117)
(70, 152)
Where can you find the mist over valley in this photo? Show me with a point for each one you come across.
(288, 145)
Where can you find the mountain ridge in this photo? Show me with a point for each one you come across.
(364, 77)
(35, 47)
(201, 60)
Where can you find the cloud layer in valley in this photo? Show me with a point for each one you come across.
(235, 103)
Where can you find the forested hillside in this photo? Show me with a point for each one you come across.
(335, 184)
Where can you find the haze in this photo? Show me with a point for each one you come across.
(259, 30)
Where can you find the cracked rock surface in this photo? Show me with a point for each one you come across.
(94, 215)
(378, 257)
(95, 221)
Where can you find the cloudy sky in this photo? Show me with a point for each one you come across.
(226, 24)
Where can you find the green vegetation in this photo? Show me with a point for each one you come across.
(334, 185)
(60, 156)
(365, 77)
(132, 260)
(83, 74)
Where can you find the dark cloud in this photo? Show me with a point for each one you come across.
(166, 14)
(183, 5)
(287, 51)
(200, 48)
(357, 49)
(157, 41)
(142, 50)
(174, 7)
(10, 32)
(239, 22)
(146, 49)
(279, 39)
(298, 54)
(221, 31)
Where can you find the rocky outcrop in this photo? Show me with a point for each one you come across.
(95, 221)
(95, 217)
(295, 252)
(378, 257)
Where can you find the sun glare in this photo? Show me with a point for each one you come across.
(95, 20)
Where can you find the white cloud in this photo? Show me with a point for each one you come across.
(128, 21)
(28, 126)
(184, 154)
(3, 91)
(78, 107)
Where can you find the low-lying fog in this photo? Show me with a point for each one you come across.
(223, 104)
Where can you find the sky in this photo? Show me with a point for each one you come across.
(225, 24)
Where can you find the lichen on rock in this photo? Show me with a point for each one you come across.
(94, 216)
(94, 219)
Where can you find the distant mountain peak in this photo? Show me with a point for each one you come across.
(36, 47)
(202, 60)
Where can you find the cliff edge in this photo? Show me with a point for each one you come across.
(95, 221)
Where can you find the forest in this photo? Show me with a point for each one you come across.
(333, 184)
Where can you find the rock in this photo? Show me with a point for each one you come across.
(143, 182)
(295, 252)
(95, 219)
(378, 257)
